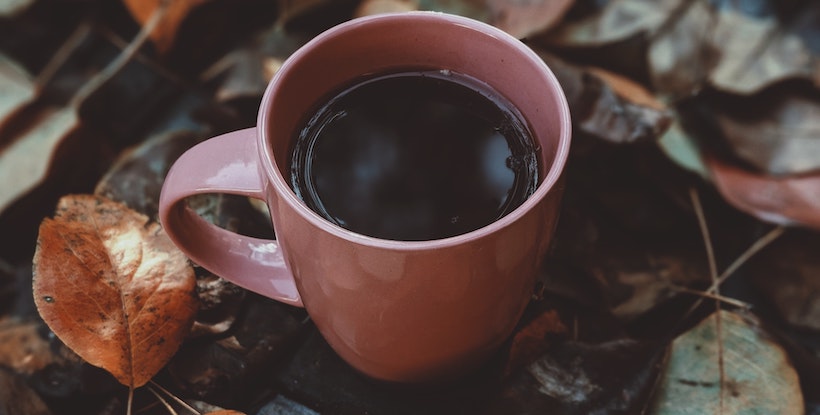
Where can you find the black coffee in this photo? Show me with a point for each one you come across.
(414, 156)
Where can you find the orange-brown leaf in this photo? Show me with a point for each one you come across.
(113, 287)
(165, 33)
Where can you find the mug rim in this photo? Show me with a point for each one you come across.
(285, 193)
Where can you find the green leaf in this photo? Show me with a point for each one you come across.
(728, 366)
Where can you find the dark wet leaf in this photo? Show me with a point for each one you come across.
(732, 367)
(228, 368)
(787, 274)
(136, 177)
(580, 378)
(17, 397)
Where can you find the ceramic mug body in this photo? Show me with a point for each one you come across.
(395, 310)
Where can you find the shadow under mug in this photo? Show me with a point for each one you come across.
(399, 311)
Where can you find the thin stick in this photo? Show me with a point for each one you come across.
(130, 400)
(727, 300)
(164, 402)
(751, 251)
(704, 229)
(175, 398)
(119, 62)
(62, 54)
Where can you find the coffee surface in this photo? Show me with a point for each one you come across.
(416, 155)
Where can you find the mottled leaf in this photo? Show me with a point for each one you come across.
(729, 366)
(792, 200)
(113, 287)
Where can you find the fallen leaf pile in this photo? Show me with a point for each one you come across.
(684, 275)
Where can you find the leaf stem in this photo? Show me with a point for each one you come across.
(130, 400)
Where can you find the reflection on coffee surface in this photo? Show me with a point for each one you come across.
(414, 155)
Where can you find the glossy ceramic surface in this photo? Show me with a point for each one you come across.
(397, 311)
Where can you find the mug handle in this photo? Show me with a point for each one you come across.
(228, 163)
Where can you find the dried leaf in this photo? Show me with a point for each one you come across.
(22, 348)
(26, 159)
(11, 8)
(113, 287)
(755, 375)
(529, 342)
(617, 21)
(778, 131)
(165, 33)
(16, 88)
(579, 378)
(598, 110)
(680, 55)
(789, 201)
(18, 397)
(738, 47)
(136, 177)
(371, 7)
(523, 18)
(758, 48)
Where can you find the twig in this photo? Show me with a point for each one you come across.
(174, 398)
(119, 62)
(62, 54)
(705, 294)
(704, 228)
(164, 402)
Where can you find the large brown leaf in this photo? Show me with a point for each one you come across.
(113, 287)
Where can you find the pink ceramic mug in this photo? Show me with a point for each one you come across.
(397, 311)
